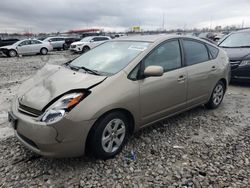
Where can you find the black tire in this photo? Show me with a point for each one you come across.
(12, 53)
(44, 51)
(65, 46)
(85, 49)
(95, 143)
(216, 99)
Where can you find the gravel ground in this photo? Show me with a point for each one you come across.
(198, 148)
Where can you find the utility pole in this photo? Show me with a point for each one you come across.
(163, 21)
(242, 24)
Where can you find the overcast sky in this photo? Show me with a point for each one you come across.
(117, 15)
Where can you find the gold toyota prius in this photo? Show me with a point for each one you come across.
(94, 102)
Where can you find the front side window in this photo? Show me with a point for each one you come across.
(167, 55)
(195, 52)
(110, 57)
(26, 42)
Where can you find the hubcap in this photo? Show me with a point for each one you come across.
(113, 135)
(218, 94)
(12, 53)
(43, 51)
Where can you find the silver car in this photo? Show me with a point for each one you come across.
(26, 47)
(58, 43)
(97, 100)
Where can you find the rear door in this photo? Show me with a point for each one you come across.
(201, 70)
(36, 46)
(165, 95)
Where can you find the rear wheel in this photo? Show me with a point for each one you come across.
(85, 49)
(217, 96)
(12, 53)
(108, 135)
(43, 51)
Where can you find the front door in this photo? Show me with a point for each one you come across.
(24, 47)
(164, 95)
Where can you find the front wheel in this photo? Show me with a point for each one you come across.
(12, 53)
(85, 49)
(217, 96)
(108, 135)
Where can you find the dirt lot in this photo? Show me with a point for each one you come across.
(199, 148)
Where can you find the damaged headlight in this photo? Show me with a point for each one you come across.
(245, 62)
(63, 105)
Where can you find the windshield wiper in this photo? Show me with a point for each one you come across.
(234, 46)
(75, 68)
(95, 72)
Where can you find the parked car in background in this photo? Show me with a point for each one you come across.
(237, 46)
(56, 42)
(69, 41)
(97, 100)
(7, 42)
(88, 43)
(25, 47)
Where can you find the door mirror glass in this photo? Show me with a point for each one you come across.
(153, 71)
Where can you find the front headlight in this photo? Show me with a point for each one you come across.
(245, 62)
(58, 109)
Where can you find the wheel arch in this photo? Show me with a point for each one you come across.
(224, 81)
(126, 112)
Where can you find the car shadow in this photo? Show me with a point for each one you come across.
(242, 83)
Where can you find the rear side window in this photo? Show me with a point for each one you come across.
(195, 52)
(213, 51)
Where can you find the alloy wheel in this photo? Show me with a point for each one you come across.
(113, 135)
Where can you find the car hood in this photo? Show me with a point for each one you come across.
(79, 42)
(7, 47)
(237, 54)
(52, 81)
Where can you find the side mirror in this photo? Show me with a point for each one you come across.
(91, 40)
(153, 71)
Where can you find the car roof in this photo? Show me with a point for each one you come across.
(244, 31)
(153, 38)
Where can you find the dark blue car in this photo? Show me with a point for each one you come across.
(237, 46)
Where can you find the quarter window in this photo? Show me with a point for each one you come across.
(167, 55)
(213, 51)
(195, 52)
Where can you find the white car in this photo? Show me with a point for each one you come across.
(25, 47)
(88, 43)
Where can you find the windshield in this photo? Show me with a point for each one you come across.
(236, 40)
(110, 57)
(86, 39)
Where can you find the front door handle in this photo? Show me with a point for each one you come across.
(181, 78)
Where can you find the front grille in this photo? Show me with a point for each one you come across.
(72, 46)
(29, 111)
(27, 140)
(234, 64)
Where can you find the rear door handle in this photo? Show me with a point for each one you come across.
(181, 78)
